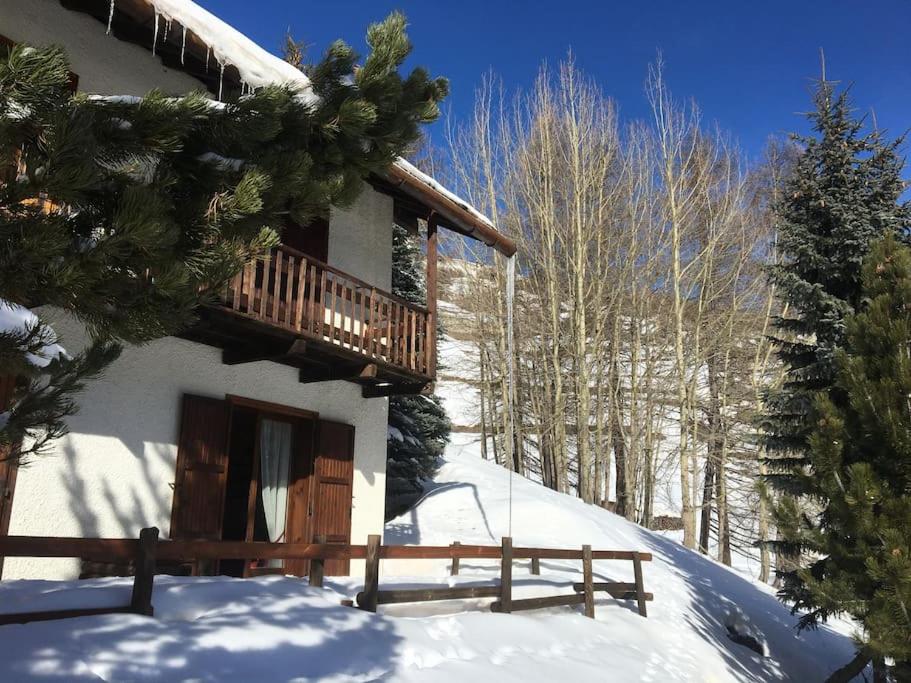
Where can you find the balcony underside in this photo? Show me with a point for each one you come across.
(246, 340)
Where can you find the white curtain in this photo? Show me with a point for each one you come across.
(274, 458)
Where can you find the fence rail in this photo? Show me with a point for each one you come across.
(147, 551)
(296, 292)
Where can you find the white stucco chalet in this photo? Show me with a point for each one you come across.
(267, 421)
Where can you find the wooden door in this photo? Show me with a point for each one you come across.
(8, 465)
(333, 475)
(297, 527)
(202, 469)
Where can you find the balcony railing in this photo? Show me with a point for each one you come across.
(293, 291)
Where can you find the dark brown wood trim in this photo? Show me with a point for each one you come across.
(267, 407)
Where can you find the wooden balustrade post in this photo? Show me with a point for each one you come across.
(455, 560)
(506, 576)
(588, 581)
(640, 584)
(536, 566)
(144, 575)
(317, 565)
(371, 574)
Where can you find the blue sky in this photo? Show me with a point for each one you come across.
(748, 64)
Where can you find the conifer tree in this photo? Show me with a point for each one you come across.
(418, 425)
(842, 196)
(859, 467)
(127, 212)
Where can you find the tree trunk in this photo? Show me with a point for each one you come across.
(713, 455)
(648, 491)
(620, 461)
(724, 522)
(764, 558)
(482, 392)
(708, 491)
(852, 669)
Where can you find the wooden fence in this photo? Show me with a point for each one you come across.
(146, 551)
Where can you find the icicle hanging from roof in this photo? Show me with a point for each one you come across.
(510, 353)
(110, 17)
(221, 79)
(183, 44)
(155, 34)
(208, 52)
(167, 28)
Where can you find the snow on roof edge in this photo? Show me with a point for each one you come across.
(434, 185)
(256, 65)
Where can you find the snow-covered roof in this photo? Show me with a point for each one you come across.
(258, 67)
(427, 180)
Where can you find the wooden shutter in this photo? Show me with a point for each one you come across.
(202, 469)
(297, 528)
(8, 466)
(332, 485)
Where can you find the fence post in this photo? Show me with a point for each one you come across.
(588, 581)
(144, 575)
(506, 576)
(317, 565)
(455, 560)
(371, 574)
(640, 584)
(536, 565)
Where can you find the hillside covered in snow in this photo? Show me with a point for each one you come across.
(278, 628)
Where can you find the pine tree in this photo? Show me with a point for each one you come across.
(859, 467)
(418, 425)
(842, 196)
(129, 212)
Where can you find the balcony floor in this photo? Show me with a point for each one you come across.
(244, 339)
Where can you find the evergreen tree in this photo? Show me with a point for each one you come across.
(418, 425)
(128, 212)
(859, 468)
(842, 196)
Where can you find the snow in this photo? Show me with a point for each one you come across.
(17, 319)
(257, 67)
(696, 599)
(422, 177)
(279, 628)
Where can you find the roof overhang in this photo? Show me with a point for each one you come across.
(452, 212)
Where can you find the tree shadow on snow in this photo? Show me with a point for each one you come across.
(273, 629)
(717, 594)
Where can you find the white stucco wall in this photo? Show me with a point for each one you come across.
(360, 238)
(114, 473)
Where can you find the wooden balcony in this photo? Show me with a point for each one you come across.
(338, 326)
